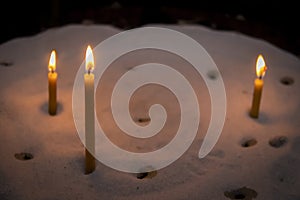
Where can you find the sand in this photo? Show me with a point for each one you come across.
(253, 158)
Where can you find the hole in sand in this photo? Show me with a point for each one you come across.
(143, 120)
(287, 80)
(212, 75)
(249, 142)
(6, 63)
(146, 174)
(278, 141)
(23, 156)
(241, 193)
(142, 175)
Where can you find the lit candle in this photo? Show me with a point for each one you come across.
(89, 112)
(52, 79)
(258, 86)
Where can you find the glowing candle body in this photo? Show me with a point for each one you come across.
(89, 114)
(258, 86)
(52, 79)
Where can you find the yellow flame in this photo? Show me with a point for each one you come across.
(89, 59)
(52, 61)
(261, 67)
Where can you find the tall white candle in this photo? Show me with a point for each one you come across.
(89, 112)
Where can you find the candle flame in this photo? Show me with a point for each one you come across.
(261, 67)
(52, 62)
(89, 59)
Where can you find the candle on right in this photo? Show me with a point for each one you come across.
(258, 86)
(52, 79)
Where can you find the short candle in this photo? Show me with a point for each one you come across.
(52, 79)
(258, 86)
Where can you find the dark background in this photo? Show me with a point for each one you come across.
(276, 21)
